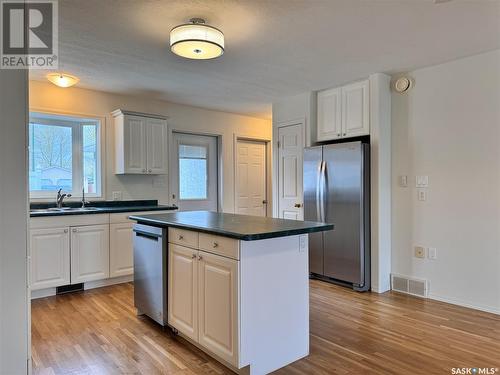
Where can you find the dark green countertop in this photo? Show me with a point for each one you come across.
(241, 227)
(97, 207)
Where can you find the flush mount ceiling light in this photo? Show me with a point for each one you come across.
(62, 79)
(196, 40)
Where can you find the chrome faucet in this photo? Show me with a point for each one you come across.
(84, 202)
(60, 198)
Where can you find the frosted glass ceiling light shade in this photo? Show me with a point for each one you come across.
(62, 79)
(197, 40)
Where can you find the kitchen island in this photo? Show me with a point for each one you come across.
(238, 286)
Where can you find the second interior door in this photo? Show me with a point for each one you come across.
(250, 179)
(194, 172)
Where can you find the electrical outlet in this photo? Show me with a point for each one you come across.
(117, 195)
(422, 195)
(419, 252)
(432, 253)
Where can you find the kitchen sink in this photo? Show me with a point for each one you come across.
(66, 209)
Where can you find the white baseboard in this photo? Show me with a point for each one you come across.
(42, 293)
(108, 282)
(453, 301)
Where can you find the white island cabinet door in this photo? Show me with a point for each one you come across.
(329, 115)
(183, 290)
(218, 306)
(134, 139)
(356, 109)
(89, 253)
(156, 146)
(121, 249)
(49, 258)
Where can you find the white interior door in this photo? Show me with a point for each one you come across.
(290, 189)
(250, 179)
(194, 172)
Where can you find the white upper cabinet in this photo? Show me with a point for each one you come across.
(156, 150)
(355, 109)
(329, 114)
(344, 112)
(140, 143)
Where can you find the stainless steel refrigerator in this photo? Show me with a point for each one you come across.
(337, 191)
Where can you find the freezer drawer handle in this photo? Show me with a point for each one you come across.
(151, 236)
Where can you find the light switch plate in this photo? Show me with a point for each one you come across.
(421, 181)
(117, 195)
(432, 253)
(403, 181)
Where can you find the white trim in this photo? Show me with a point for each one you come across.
(275, 162)
(37, 196)
(268, 144)
(220, 161)
(458, 302)
(42, 293)
(108, 282)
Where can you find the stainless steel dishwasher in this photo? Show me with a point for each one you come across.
(150, 272)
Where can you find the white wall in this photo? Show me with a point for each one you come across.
(45, 96)
(448, 127)
(301, 107)
(13, 223)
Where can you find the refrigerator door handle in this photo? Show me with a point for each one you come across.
(322, 191)
(318, 191)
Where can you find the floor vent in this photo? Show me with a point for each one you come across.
(403, 284)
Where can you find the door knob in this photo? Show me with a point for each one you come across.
(297, 205)
(264, 201)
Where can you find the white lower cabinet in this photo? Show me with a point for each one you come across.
(183, 290)
(89, 253)
(218, 305)
(121, 249)
(203, 300)
(50, 257)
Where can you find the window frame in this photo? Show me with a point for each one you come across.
(207, 161)
(68, 120)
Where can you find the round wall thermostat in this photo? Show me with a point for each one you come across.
(403, 84)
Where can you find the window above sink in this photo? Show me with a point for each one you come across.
(64, 153)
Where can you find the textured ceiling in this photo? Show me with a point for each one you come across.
(274, 48)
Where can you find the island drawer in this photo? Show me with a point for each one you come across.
(183, 237)
(224, 246)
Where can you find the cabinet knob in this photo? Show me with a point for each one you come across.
(143, 171)
(74, 230)
(181, 237)
(65, 231)
(216, 244)
(345, 134)
(297, 205)
(338, 134)
(193, 256)
(150, 170)
(200, 257)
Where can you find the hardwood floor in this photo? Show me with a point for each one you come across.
(97, 332)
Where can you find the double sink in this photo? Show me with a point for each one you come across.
(65, 209)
